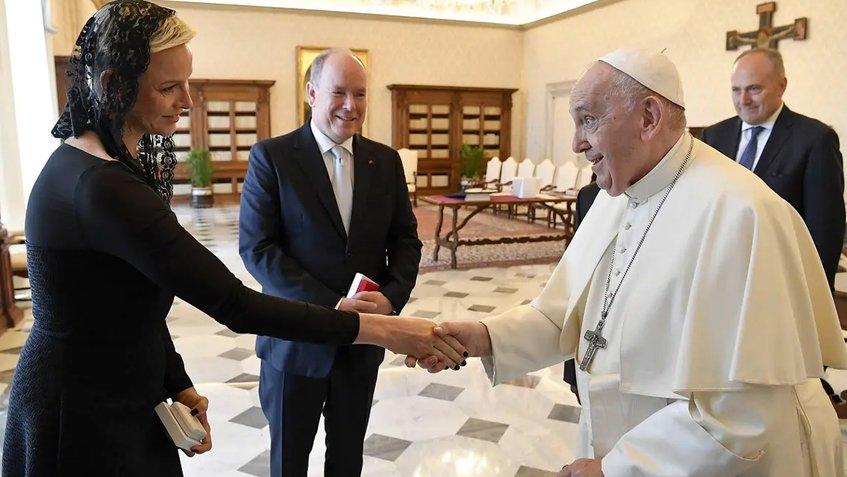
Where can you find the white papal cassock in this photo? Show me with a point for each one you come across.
(715, 340)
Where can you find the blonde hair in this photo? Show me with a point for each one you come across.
(173, 32)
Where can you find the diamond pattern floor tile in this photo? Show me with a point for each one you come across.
(237, 354)
(385, 447)
(253, 417)
(483, 430)
(244, 378)
(454, 294)
(505, 290)
(227, 332)
(260, 466)
(482, 308)
(563, 412)
(441, 391)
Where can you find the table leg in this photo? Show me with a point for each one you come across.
(438, 233)
(455, 233)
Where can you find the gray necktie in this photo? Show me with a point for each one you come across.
(342, 184)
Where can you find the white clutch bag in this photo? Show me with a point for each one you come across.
(185, 430)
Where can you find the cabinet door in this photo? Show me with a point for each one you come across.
(429, 132)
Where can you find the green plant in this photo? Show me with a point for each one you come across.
(473, 160)
(200, 162)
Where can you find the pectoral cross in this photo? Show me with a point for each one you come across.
(595, 342)
(767, 36)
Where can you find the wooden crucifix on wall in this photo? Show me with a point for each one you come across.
(767, 36)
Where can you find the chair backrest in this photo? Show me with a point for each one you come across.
(526, 168)
(584, 176)
(409, 158)
(508, 170)
(492, 169)
(566, 176)
(545, 171)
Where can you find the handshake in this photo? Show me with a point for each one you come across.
(432, 346)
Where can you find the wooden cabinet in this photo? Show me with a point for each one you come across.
(435, 121)
(227, 118)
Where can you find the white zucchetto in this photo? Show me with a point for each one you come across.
(653, 70)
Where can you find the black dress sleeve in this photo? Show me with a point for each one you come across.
(176, 379)
(121, 216)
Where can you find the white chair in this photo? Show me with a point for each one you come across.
(526, 168)
(508, 171)
(545, 171)
(492, 172)
(566, 176)
(409, 158)
(566, 181)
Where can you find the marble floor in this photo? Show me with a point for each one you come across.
(422, 425)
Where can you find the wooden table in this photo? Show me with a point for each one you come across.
(452, 241)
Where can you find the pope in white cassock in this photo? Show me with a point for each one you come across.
(692, 297)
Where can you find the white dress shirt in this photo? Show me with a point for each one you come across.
(325, 145)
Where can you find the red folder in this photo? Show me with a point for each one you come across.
(361, 283)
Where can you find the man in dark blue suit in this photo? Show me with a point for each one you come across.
(319, 205)
(797, 156)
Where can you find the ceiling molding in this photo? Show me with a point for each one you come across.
(517, 16)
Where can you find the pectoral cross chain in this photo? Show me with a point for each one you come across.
(595, 337)
(595, 342)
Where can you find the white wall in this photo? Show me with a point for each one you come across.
(259, 43)
(11, 192)
(693, 31)
(29, 100)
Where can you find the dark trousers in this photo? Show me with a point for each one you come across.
(293, 405)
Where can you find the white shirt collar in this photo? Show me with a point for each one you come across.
(662, 174)
(767, 124)
(325, 143)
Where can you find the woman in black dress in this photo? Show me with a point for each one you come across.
(106, 257)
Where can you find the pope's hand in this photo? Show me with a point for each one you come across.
(473, 335)
(582, 468)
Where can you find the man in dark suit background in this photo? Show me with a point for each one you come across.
(318, 205)
(797, 156)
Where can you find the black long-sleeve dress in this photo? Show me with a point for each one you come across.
(106, 256)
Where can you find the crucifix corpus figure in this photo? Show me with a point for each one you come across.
(767, 36)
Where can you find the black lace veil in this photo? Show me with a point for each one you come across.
(117, 38)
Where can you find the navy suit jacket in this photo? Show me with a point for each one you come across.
(293, 242)
(802, 163)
